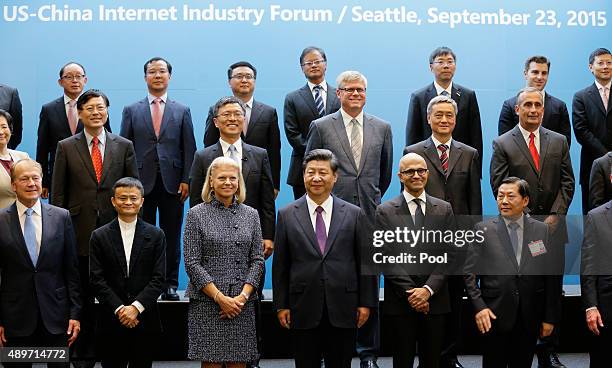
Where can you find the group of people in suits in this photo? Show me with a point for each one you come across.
(341, 167)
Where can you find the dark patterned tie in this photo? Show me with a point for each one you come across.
(444, 157)
(419, 217)
(321, 232)
(319, 100)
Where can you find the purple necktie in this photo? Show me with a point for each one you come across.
(321, 233)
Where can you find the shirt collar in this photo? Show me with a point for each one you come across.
(437, 142)
(346, 118)
(323, 85)
(68, 99)
(526, 133)
(327, 204)
(439, 88)
(151, 98)
(520, 221)
(101, 137)
(599, 86)
(21, 208)
(409, 197)
(249, 103)
(127, 225)
(225, 145)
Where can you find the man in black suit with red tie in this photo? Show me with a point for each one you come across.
(302, 106)
(40, 292)
(127, 276)
(556, 117)
(59, 119)
(592, 117)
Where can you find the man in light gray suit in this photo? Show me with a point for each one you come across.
(363, 145)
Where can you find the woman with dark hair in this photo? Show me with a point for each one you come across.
(224, 261)
(7, 158)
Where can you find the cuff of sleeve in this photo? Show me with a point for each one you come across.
(429, 289)
(138, 306)
(590, 308)
(118, 308)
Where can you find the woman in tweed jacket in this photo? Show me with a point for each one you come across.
(224, 261)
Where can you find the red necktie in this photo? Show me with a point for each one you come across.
(157, 115)
(444, 157)
(534, 152)
(96, 159)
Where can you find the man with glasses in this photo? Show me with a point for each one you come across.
(363, 145)
(443, 63)
(260, 122)
(314, 100)
(162, 133)
(592, 117)
(87, 165)
(59, 119)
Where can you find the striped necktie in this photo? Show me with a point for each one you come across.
(319, 100)
(444, 157)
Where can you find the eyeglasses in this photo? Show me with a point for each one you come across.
(99, 108)
(243, 76)
(77, 77)
(313, 63)
(444, 63)
(235, 114)
(353, 90)
(410, 172)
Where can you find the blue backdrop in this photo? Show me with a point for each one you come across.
(389, 41)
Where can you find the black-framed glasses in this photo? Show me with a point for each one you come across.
(410, 172)
(353, 90)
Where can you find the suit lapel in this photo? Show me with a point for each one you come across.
(109, 148)
(145, 110)
(116, 242)
(247, 157)
(302, 216)
(432, 153)
(367, 135)
(456, 93)
(544, 144)
(402, 211)
(431, 93)
(60, 110)
(547, 110)
(522, 145)
(83, 150)
(527, 238)
(45, 238)
(338, 124)
(596, 98)
(255, 114)
(504, 239)
(609, 213)
(309, 100)
(431, 210)
(166, 118)
(454, 157)
(336, 224)
(139, 235)
(331, 98)
(18, 235)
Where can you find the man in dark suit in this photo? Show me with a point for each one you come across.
(556, 117)
(320, 293)
(455, 178)
(508, 280)
(302, 106)
(260, 122)
(162, 133)
(10, 102)
(596, 282)
(541, 157)
(127, 276)
(592, 117)
(87, 165)
(442, 63)
(40, 302)
(600, 181)
(416, 298)
(363, 145)
(59, 119)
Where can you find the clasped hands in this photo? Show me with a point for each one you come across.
(418, 298)
(230, 307)
(128, 316)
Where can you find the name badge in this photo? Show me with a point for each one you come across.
(537, 248)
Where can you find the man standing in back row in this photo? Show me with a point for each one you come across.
(162, 133)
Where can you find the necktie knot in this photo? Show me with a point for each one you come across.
(157, 101)
(319, 209)
(29, 212)
(95, 140)
(513, 226)
(442, 147)
(531, 135)
(444, 93)
(72, 103)
(318, 88)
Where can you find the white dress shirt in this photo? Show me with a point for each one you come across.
(439, 88)
(322, 91)
(101, 142)
(249, 108)
(536, 139)
(225, 148)
(36, 220)
(346, 118)
(127, 236)
(327, 205)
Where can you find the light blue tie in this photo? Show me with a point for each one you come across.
(29, 234)
(233, 153)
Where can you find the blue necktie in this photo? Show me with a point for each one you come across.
(29, 234)
(319, 100)
(233, 153)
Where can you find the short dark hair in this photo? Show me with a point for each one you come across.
(226, 101)
(128, 182)
(238, 64)
(88, 95)
(310, 49)
(8, 117)
(321, 154)
(522, 184)
(598, 52)
(538, 59)
(157, 58)
(61, 72)
(442, 50)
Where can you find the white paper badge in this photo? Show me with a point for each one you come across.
(537, 248)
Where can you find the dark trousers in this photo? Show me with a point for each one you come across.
(417, 328)
(368, 337)
(599, 351)
(298, 191)
(511, 349)
(586, 203)
(132, 348)
(39, 338)
(335, 345)
(452, 328)
(83, 349)
(170, 221)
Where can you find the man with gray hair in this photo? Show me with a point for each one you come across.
(364, 147)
